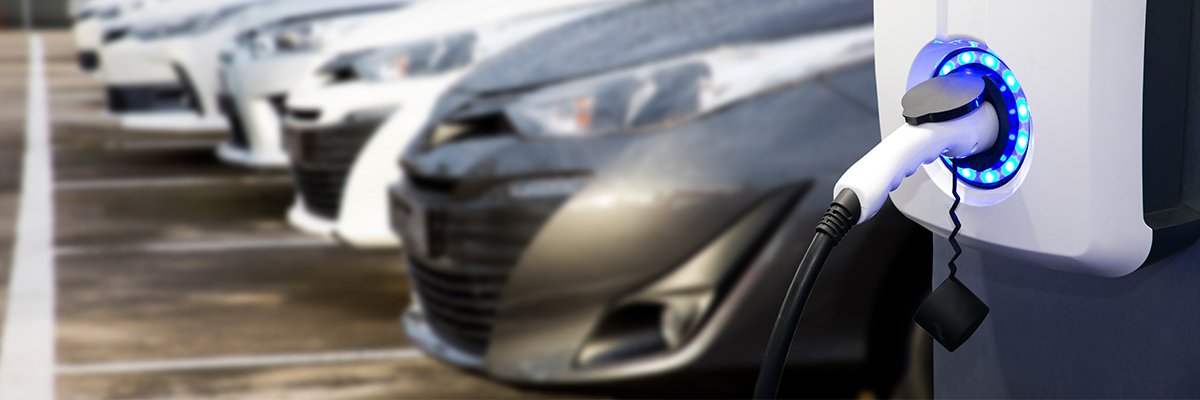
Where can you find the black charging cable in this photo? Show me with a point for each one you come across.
(838, 219)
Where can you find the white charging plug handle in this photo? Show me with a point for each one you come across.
(910, 146)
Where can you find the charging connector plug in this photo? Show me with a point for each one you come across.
(945, 116)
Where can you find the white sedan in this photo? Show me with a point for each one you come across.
(395, 69)
(268, 60)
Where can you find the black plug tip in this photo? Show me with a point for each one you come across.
(943, 98)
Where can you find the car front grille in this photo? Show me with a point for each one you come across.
(113, 35)
(321, 162)
(469, 250)
(89, 61)
(143, 98)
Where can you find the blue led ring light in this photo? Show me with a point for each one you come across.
(988, 171)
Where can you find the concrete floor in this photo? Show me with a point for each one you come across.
(152, 301)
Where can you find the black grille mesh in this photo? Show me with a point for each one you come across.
(88, 61)
(321, 162)
(474, 248)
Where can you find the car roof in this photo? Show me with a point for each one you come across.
(650, 31)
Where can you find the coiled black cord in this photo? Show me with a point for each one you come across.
(954, 217)
(838, 219)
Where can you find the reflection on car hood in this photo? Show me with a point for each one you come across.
(645, 32)
(282, 11)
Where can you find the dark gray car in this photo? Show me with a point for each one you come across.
(663, 242)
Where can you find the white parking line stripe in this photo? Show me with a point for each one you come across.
(27, 350)
(210, 363)
(199, 246)
(142, 183)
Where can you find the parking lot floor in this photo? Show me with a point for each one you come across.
(178, 277)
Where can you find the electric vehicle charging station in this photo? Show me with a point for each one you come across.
(1089, 178)
(1089, 172)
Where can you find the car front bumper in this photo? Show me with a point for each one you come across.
(321, 159)
(358, 162)
(417, 327)
(253, 98)
(304, 220)
(135, 62)
(239, 149)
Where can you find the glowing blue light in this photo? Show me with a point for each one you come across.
(1014, 142)
(1011, 81)
(989, 61)
(989, 177)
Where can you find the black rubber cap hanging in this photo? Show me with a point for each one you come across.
(951, 314)
(943, 98)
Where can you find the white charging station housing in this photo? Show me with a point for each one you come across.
(1104, 187)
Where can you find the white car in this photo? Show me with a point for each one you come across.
(94, 22)
(393, 70)
(268, 60)
(162, 74)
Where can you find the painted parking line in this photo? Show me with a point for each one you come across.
(211, 363)
(199, 246)
(173, 182)
(27, 349)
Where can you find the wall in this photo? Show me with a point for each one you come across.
(1053, 334)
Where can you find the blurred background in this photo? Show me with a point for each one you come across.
(49, 14)
(455, 198)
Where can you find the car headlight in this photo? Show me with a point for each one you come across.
(613, 103)
(85, 14)
(101, 13)
(286, 38)
(191, 24)
(300, 35)
(684, 88)
(425, 58)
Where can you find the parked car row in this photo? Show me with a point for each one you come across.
(584, 190)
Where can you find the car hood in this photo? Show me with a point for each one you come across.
(655, 30)
(802, 139)
(281, 11)
(173, 10)
(431, 19)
